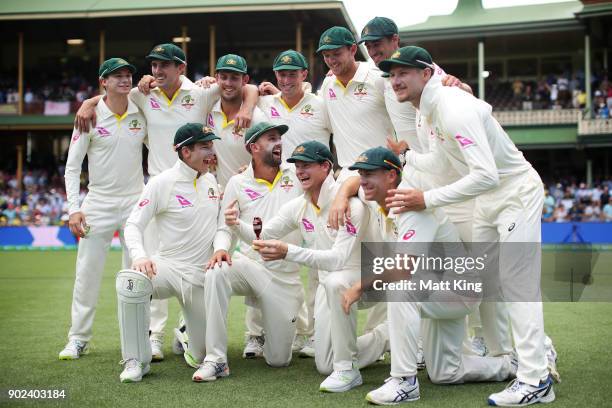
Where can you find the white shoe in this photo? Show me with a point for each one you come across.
(179, 343)
(253, 347)
(520, 394)
(308, 350)
(157, 353)
(478, 346)
(210, 371)
(133, 370)
(512, 360)
(74, 349)
(340, 381)
(395, 390)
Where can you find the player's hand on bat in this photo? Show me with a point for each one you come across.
(231, 214)
(86, 115)
(206, 82)
(350, 296)
(218, 258)
(271, 250)
(146, 266)
(339, 210)
(146, 83)
(403, 200)
(398, 147)
(77, 224)
(267, 88)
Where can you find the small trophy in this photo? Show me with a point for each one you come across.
(257, 226)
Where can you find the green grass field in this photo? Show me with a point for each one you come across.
(35, 296)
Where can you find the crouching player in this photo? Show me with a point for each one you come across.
(184, 201)
(443, 321)
(336, 254)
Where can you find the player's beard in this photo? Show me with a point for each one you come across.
(269, 159)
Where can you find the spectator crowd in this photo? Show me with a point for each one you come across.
(571, 202)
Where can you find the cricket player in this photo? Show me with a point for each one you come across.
(305, 115)
(508, 196)
(381, 38)
(336, 255)
(443, 315)
(353, 97)
(168, 100)
(258, 192)
(184, 200)
(114, 152)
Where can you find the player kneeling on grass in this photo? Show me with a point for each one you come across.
(442, 316)
(336, 254)
(184, 201)
(114, 151)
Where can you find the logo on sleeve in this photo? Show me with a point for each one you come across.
(286, 183)
(350, 228)
(274, 113)
(75, 135)
(183, 202)
(332, 94)
(154, 103)
(464, 141)
(308, 226)
(143, 203)
(210, 121)
(103, 132)
(409, 234)
(253, 195)
(187, 102)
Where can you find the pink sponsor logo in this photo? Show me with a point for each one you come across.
(183, 202)
(464, 141)
(210, 121)
(308, 226)
(143, 203)
(75, 135)
(253, 195)
(154, 103)
(332, 94)
(408, 235)
(274, 113)
(350, 228)
(102, 131)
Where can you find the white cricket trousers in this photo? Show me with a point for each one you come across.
(512, 213)
(443, 328)
(337, 346)
(279, 296)
(104, 215)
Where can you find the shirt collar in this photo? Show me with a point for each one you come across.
(429, 97)
(105, 112)
(327, 193)
(184, 171)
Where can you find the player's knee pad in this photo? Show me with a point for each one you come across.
(134, 291)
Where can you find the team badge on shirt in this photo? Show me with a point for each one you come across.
(274, 113)
(211, 194)
(307, 111)
(134, 125)
(360, 91)
(187, 102)
(286, 183)
(308, 226)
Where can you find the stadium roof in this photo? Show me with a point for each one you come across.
(471, 19)
(45, 9)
